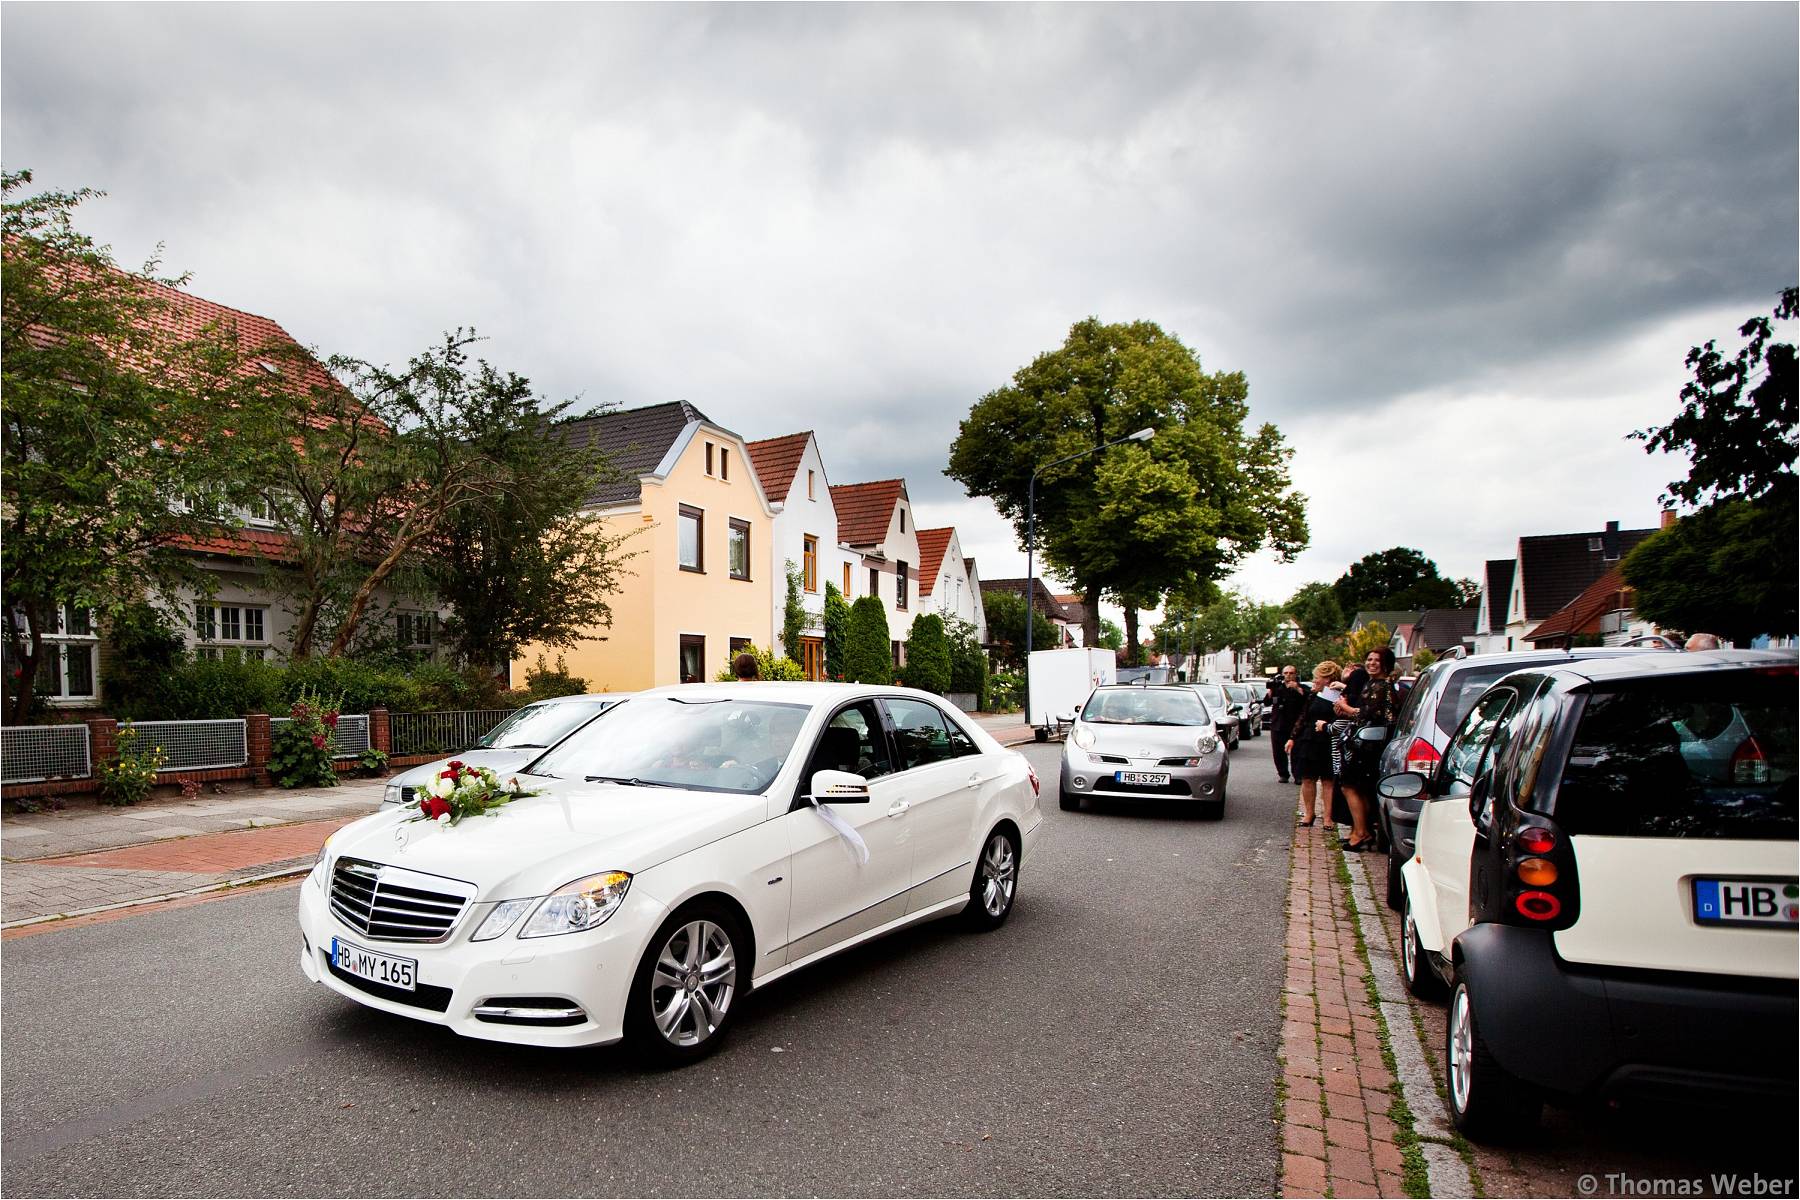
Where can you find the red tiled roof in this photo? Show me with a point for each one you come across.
(1072, 605)
(776, 462)
(241, 543)
(932, 544)
(1582, 614)
(864, 509)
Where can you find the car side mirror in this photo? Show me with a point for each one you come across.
(1372, 735)
(839, 787)
(1408, 785)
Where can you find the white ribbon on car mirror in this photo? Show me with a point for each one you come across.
(859, 849)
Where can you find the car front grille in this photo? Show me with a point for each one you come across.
(392, 904)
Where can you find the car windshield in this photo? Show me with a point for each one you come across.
(1241, 692)
(1141, 706)
(722, 745)
(1214, 695)
(1710, 756)
(544, 725)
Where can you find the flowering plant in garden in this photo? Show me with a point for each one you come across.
(131, 774)
(460, 790)
(300, 750)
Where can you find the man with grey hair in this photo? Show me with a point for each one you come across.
(1704, 641)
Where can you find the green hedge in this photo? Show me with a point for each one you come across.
(208, 689)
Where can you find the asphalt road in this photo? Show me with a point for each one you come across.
(1116, 1036)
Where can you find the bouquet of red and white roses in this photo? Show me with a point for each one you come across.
(460, 790)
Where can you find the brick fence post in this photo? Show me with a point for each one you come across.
(379, 738)
(103, 742)
(257, 743)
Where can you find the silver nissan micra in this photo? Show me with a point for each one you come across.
(1132, 742)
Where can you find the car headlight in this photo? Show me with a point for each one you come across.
(1207, 744)
(390, 794)
(501, 918)
(583, 904)
(320, 875)
(1083, 737)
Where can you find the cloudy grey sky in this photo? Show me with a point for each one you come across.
(1458, 250)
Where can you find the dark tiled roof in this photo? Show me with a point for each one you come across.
(1042, 599)
(864, 509)
(1583, 613)
(777, 461)
(1499, 590)
(932, 544)
(635, 439)
(1442, 628)
(969, 566)
(1558, 567)
(1071, 602)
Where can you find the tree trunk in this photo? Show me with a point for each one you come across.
(27, 655)
(366, 590)
(1131, 635)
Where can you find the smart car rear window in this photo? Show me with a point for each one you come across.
(1700, 756)
(1463, 689)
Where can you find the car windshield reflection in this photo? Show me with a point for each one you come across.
(1136, 706)
(539, 725)
(714, 745)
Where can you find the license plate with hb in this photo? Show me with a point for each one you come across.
(385, 969)
(1773, 902)
(1147, 778)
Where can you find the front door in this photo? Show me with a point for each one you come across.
(943, 774)
(834, 896)
(812, 657)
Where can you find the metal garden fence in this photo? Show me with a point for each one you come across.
(352, 733)
(29, 753)
(441, 732)
(195, 745)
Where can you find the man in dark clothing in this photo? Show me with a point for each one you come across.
(1286, 701)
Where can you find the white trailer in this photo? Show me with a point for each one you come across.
(1060, 680)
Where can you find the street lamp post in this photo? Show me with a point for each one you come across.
(1142, 435)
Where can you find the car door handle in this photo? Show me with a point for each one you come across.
(975, 779)
(898, 807)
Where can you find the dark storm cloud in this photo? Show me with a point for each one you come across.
(858, 219)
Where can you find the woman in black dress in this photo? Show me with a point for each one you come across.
(1309, 741)
(1376, 707)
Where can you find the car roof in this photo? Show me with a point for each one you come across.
(1668, 663)
(609, 697)
(1141, 687)
(1521, 659)
(784, 692)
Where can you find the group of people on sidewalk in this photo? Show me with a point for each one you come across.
(1314, 743)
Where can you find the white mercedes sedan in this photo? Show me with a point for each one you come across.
(716, 838)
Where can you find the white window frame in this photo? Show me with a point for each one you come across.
(407, 625)
(60, 646)
(210, 624)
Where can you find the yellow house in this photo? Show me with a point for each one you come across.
(698, 588)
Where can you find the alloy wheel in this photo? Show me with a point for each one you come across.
(693, 983)
(999, 874)
(1462, 1049)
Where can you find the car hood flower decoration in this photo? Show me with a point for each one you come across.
(460, 790)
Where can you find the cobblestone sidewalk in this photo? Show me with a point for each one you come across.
(1340, 1128)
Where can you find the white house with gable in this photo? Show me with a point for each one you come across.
(792, 473)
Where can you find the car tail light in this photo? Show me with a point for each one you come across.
(1538, 906)
(1535, 839)
(1036, 787)
(1537, 872)
(1422, 756)
(1748, 764)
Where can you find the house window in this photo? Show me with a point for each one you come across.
(897, 654)
(846, 581)
(724, 463)
(738, 549)
(809, 563)
(416, 630)
(809, 485)
(739, 645)
(66, 665)
(903, 520)
(231, 631)
(874, 581)
(900, 583)
(693, 658)
(692, 527)
(709, 460)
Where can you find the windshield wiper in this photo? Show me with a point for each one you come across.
(631, 781)
(523, 746)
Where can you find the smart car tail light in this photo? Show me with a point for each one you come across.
(1539, 886)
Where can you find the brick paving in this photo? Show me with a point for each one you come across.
(215, 853)
(1337, 1135)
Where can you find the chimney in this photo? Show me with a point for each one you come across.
(1610, 542)
(1668, 518)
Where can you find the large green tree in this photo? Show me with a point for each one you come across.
(1731, 566)
(1315, 608)
(528, 565)
(1142, 517)
(1394, 580)
(1006, 628)
(115, 451)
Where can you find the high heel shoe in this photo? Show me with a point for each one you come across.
(1308, 822)
(1359, 847)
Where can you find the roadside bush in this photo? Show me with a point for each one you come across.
(1006, 691)
(868, 657)
(130, 774)
(202, 689)
(300, 751)
(968, 661)
(144, 650)
(928, 655)
(542, 683)
(769, 666)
